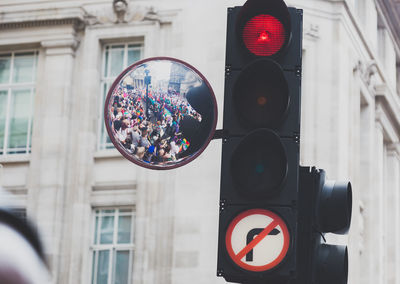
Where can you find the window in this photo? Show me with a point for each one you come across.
(17, 88)
(116, 58)
(113, 246)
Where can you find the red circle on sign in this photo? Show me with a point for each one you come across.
(275, 220)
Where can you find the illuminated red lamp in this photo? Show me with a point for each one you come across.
(264, 35)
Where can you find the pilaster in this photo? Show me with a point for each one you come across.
(392, 211)
(376, 209)
(50, 148)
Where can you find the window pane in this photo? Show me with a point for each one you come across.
(102, 267)
(106, 61)
(104, 135)
(5, 62)
(117, 61)
(96, 225)
(23, 68)
(3, 108)
(93, 266)
(107, 230)
(105, 139)
(19, 118)
(133, 56)
(121, 267)
(124, 229)
(109, 144)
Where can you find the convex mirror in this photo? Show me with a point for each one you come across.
(160, 113)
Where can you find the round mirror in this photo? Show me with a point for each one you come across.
(160, 113)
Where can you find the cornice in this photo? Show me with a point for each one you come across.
(390, 10)
(79, 17)
(41, 23)
(42, 17)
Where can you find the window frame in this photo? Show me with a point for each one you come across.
(9, 88)
(112, 248)
(102, 143)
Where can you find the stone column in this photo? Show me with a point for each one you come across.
(366, 191)
(392, 217)
(50, 147)
(77, 231)
(375, 220)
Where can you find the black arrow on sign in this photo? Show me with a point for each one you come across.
(250, 236)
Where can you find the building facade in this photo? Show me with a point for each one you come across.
(105, 220)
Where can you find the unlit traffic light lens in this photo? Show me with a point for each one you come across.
(261, 94)
(332, 264)
(264, 35)
(259, 164)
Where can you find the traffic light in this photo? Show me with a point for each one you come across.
(324, 207)
(260, 152)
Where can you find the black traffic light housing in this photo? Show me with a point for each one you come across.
(262, 184)
(324, 207)
(260, 152)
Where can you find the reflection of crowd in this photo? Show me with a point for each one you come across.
(151, 135)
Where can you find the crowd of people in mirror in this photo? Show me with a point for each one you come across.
(147, 124)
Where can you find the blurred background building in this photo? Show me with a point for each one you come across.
(105, 220)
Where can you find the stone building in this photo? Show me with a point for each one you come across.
(105, 220)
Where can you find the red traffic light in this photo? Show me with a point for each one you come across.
(264, 27)
(264, 35)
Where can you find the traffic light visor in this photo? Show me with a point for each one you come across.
(259, 164)
(332, 264)
(261, 94)
(335, 206)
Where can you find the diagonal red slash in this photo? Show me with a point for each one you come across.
(256, 240)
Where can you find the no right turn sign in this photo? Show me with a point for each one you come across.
(257, 240)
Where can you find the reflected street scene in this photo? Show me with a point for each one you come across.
(160, 113)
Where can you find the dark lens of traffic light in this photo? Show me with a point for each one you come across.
(259, 164)
(264, 35)
(261, 94)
